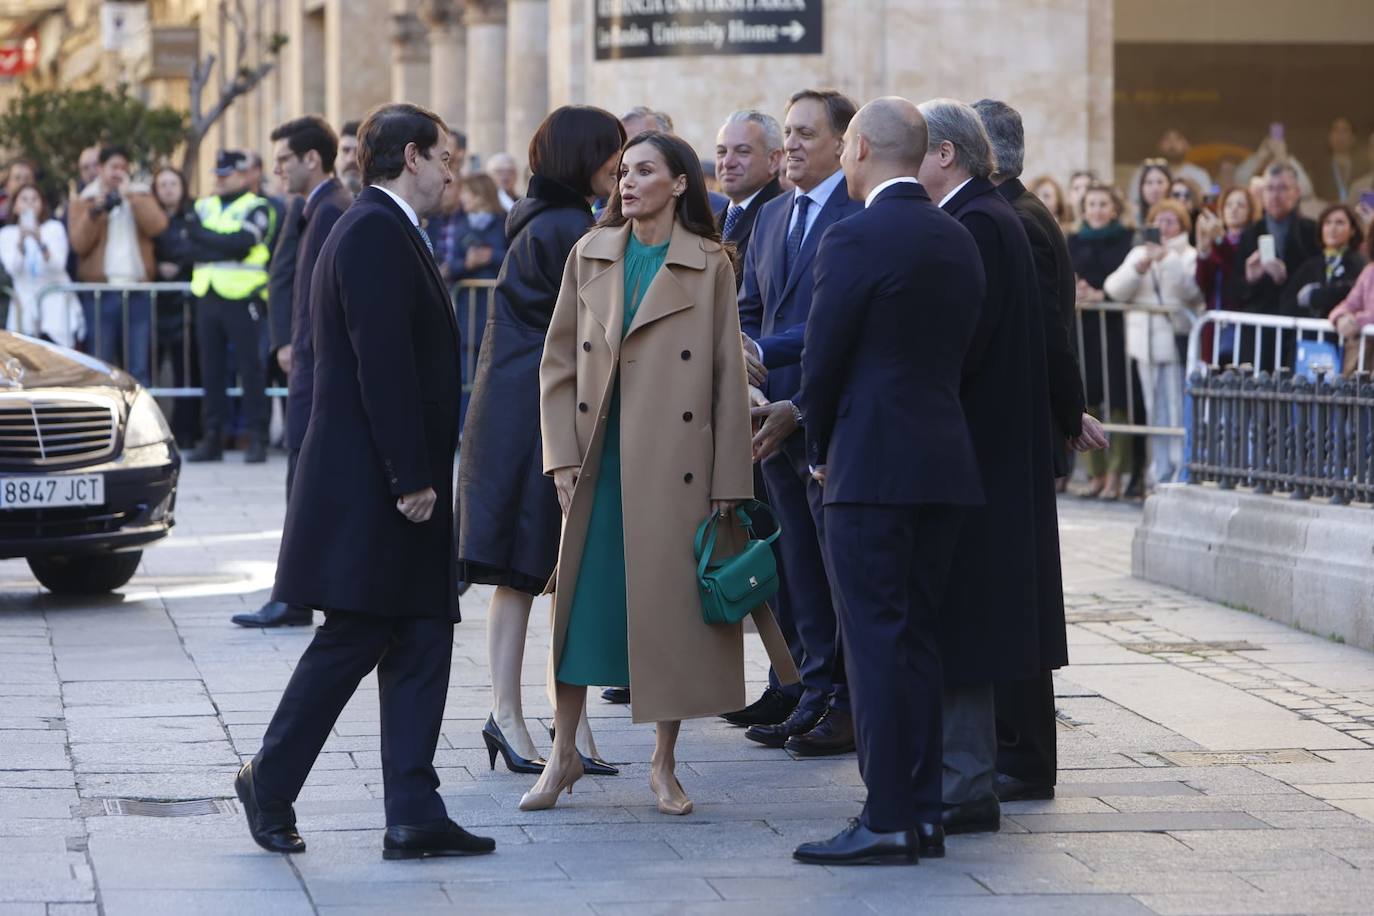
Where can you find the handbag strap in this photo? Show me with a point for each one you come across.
(705, 542)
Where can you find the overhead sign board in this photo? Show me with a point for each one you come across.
(176, 51)
(682, 28)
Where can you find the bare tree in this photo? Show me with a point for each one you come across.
(244, 80)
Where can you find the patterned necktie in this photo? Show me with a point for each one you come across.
(794, 238)
(732, 216)
(425, 235)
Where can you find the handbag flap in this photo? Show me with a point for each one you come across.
(751, 571)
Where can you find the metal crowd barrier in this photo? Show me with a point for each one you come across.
(1284, 328)
(1118, 357)
(1284, 433)
(471, 311)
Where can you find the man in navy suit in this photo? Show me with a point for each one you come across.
(369, 525)
(305, 153)
(775, 300)
(895, 305)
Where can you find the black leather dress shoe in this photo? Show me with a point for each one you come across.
(436, 838)
(982, 816)
(276, 614)
(834, 734)
(1013, 788)
(799, 722)
(931, 838)
(619, 695)
(857, 845)
(272, 824)
(770, 709)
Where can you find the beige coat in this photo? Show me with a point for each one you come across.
(685, 434)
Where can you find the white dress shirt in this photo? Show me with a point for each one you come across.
(819, 195)
(406, 208)
(872, 195)
(950, 196)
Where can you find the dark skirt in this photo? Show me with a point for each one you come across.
(509, 520)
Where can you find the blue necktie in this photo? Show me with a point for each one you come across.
(425, 235)
(732, 216)
(794, 238)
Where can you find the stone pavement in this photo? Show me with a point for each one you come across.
(1212, 762)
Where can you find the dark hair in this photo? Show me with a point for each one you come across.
(484, 186)
(839, 108)
(1356, 232)
(572, 143)
(185, 201)
(307, 133)
(459, 137)
(693, 208)
(349, 129)
(1146, 167)
(387, 131)
(44, 212)
(109, 152)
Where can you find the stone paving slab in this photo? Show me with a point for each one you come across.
(153, 695)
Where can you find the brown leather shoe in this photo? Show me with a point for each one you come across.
(834, 734)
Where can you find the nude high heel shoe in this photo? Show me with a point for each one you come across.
(539, 800)
(672, 799)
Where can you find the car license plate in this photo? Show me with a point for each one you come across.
(52, 492)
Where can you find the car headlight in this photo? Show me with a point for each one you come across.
(146, 424)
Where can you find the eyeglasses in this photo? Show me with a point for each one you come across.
(1181, 194)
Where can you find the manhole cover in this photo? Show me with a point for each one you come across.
(1190, 648)
(133, 807)
(1242, 758)
(1102, 616)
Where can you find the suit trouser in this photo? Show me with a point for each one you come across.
(292, 456)
(219, 323)
(805, 585)
(1026, 729)
(970, 744)
(891, 566)
(412, 656)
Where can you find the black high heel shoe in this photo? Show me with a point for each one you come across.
(497, 744)
(592, 766)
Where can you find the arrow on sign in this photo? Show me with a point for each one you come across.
(794, 30)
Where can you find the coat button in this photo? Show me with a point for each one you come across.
(687, 478)
(587, 346)
(582, 407)
(687, 417)
(686, 354)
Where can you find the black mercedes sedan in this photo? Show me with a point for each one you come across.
(88, 467)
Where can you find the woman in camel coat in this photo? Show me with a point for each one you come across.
(644, 351)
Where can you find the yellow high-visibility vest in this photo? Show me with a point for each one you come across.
(243, 279)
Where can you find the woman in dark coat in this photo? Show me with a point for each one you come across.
(1324, 280)
(509, 516)
(1097, 249)
(477, 253)
(175, 259)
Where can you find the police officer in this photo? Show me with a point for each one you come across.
(232, 238)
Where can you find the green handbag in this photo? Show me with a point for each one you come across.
(732, 588)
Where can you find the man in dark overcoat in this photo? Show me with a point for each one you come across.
(369, 525)
(990, 620)
(1026, 729)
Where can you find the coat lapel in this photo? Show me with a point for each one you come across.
(604, 293)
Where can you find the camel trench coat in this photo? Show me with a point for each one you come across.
(685, 440)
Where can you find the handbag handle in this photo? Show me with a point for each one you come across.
(706, 531)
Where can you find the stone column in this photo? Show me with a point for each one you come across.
(527, 74)
(486, 84)
(447, 60)
(570, 20)
(410, 64)
(356, 65)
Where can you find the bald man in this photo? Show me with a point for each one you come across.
(891, 319)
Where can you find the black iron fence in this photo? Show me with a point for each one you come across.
(1283, 433)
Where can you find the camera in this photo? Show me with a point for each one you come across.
(110, 201)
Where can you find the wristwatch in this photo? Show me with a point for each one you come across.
(797, 415)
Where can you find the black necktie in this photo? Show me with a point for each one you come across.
(794, 238)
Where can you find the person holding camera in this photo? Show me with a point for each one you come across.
(113, 224)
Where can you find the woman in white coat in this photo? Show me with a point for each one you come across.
(33, 249)
(1160, 274)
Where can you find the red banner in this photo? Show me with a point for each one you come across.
(18, 57)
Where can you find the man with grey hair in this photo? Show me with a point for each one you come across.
(1026, 729)
(990, 624)
(642, 118)
(503, 170)
(748, 159)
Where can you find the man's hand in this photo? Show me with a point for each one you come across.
(284, 358)
(1092, 437)
(723, 507)
(757, 370)
(818, 474)
(1277, 271)
(565, 481)
(477, 256)
(1254, 268)
(417, 507)
(779, 422)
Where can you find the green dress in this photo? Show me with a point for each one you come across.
(596, 649)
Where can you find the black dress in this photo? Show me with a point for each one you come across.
(1095, 255)
(509, 520)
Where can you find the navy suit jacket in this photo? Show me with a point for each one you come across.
(743, 229)
(773, 305)
(895, 305)
(318, 218)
